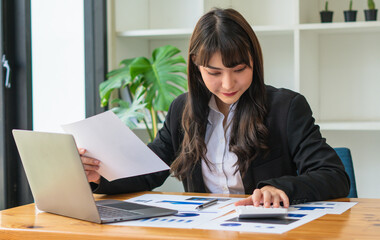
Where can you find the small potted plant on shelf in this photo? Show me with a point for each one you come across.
(370, 13)
(326, 15)
(152, 85)
(350, 15)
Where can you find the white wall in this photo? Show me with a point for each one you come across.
(57, 63)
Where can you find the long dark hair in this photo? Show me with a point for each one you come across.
(226, 31)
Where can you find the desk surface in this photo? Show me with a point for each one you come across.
(360, 222)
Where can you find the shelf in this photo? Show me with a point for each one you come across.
(348, 126)
(156, 33)
(340, 27)
(186, 32)
(348, 27)
(273, 30)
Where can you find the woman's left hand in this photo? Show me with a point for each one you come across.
(267, 196)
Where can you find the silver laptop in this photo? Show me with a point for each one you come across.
(59, 184)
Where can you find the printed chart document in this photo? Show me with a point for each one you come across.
(262, 225)
(222, 217)
(187, 217)
(297, 216)
(121, 152)
(186, 203)
(326, 207)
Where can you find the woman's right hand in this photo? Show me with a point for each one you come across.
(91, 166)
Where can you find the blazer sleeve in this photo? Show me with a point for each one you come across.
(162, 146)
(321, 174)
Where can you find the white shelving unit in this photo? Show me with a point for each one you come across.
(336, 66)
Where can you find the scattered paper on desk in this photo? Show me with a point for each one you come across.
(186, 202)
(297, 215)
(187, 216)
(183, 219)
(261, 225)
(121, 152)
(221, 217)
(326, 207)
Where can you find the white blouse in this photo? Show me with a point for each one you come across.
(220, 178)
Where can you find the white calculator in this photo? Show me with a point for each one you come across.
(250, 211)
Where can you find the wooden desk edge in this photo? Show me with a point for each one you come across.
(25, 223)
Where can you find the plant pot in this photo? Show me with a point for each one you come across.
(370, 14)
(326, 16)
(350, 15)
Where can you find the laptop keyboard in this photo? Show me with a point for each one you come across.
(111, 213)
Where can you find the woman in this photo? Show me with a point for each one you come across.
(233, 134)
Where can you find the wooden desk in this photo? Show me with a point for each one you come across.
(360, 222)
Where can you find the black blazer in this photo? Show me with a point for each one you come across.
(300, 162)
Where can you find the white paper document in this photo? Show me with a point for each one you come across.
(121, 152)
(323, 206)
(297, 215)
(186, 202)
(222, 217)
(261, 225)
(187, 216)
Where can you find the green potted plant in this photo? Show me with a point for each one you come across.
(152, 83)
(326, 15)
(370, 13)
(350, 15)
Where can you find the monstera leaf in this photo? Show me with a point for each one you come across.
(129, 113)
(153, 84)
(159, 77)
(116, 79)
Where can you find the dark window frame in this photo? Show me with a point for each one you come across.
(95, 29)
(17, 100)
(2, 118)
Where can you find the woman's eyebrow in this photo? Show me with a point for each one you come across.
(216, 68)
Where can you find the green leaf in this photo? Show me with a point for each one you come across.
(371, 4)
(177, 80)
(117, 79)
(178, 68)
(164, 53)
(153, 83)
(126, 62)
(135, 85)
(163, 71)
(139, 66)
(105, 88)
(176, 60)
(128, 113)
